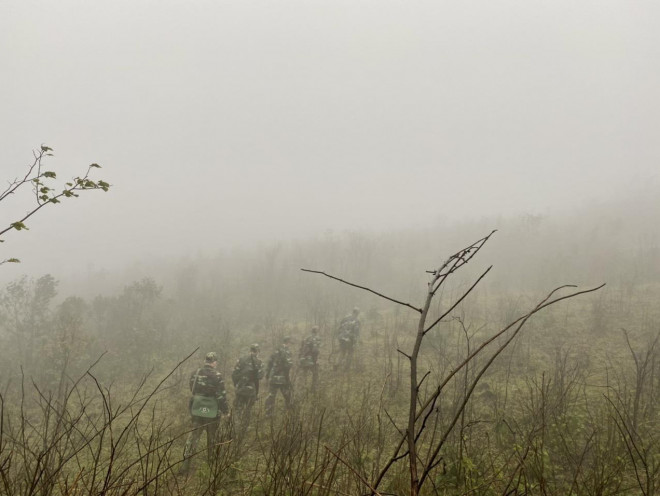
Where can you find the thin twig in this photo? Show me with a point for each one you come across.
(363, 287)
(373, 491)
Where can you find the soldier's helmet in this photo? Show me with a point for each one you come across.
(286, 339)
(211, 357)
(315, 329)
(356, 311)
(254, 347)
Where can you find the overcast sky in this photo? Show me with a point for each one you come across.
(223, 123)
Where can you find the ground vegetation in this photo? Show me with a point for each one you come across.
(94, 390)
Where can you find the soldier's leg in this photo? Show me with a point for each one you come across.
(315, 376)
(241, 404)
(303, 376)
(211, 438)
(286, 392)
(342, 354)
(247, 409)
(191, 445)
(242, 414)
(270, 401)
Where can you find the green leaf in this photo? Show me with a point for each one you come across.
(45, 148)
(49, 174)
(96, 166)
(13, 260)
(19, 226)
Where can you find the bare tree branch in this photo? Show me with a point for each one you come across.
(457, 302)
(427, 407)
(361, 287)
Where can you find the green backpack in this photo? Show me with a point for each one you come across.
(203, 406)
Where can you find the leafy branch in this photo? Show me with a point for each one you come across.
(45, 190)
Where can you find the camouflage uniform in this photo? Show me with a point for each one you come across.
(206, 382)
(348, 334)
(279, 366)
(249, 370)
(309, 355)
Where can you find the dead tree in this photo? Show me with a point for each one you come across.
(420, 410)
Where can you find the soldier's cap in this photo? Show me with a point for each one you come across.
(254, 347)
(315, 329)
(211, 357)
(286, 339)
(356, 310)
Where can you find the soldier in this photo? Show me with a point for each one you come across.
(208, 401)
(309, 355)
(279, 366)
(247, 373)
(348, 334)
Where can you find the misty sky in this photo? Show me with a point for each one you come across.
(224, 123)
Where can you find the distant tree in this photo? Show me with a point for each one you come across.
(45, 189)
(133, 322)
(69, 338)
(25, 318)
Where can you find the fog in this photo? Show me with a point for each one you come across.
(369, 139)
(226, 125)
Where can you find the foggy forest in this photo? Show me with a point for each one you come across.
(329, 248)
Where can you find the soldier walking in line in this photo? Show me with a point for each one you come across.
(348, 335)
(309, 355)
(279, 367)
(247, 373)
(207, 403)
